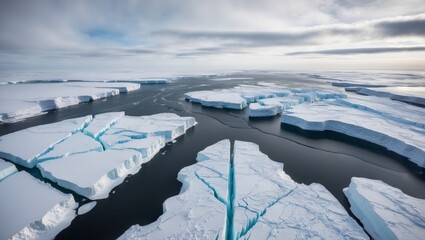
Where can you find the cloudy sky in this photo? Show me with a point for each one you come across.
(193, 35)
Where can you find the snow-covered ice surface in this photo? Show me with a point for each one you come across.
(243, 194)
(72, 152)
(86, 208)
(391, 124)
(31, 209)
(38, 140)
(386, 212)
(25, 99)
(263, 99)
(414, 95)
(6, 169)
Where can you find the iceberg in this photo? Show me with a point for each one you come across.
(237, 192)
(412, 95)
(92, 174)
(263, 99)
(31, 209)
(92, 155)
(386, 212)
(38, 140)
(6, 169)
(27, 99)
(360, 122)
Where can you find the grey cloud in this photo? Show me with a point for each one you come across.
(350, 51)
(412, 27)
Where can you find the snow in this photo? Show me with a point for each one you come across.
(146, 146)
(92, 174)
(380, 126)
(6, 169)
(86, 208)
(386, 212)
(244, 195)
(20, 101)
(413, 95)
(31, 209)
(199, 211)
(231, 78)
(38, 140)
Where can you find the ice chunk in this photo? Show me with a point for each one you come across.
(199, 211)
(102, 122)
(6, 169)
(76, 143)
(217, 99)
(86, 208)
(404, 139)
(257, 110)
(413, 95)
(243, 194)
(385, 211)
(31, 209)
(92, 174)
(38, 140)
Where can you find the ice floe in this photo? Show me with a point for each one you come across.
(372, 121)
(73, 153)
(86, 208)
(263, 99)
(25, 99)
(31, 209)
(6, 169)
(386, 212)
(243, 194)
(413, 95)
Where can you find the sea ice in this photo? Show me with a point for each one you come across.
(30, 98)
(6, 169)
(374, 126)
(86, 208)
(31, 209)
(385, 211)
(413, 95)
(25, 146)
(243, 194)
(92, 174)
(102, 122)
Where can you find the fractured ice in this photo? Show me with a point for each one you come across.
(263, 99)
(31, 209)
(6, 169)
(90, 156)
(385, 211)
(243, 194)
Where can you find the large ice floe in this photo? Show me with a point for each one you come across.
(237, 192)
(31, 209)
(6, 169)
(413, 95)
(25, 99)
(394, 125)
(386, 212)
(263, 100)
(90, 156)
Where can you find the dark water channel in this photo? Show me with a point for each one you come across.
(327, 158)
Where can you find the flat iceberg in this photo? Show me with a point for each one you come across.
(38, 140)
(92, 155)
(92, 174)
(237, 192)
(25, 99)
(6, 169)
(386, 212)
(31, 209)
(86, 208)
(263, 99)
(373, 122)
(412, 95)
